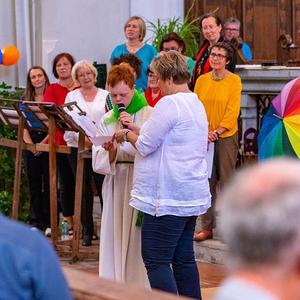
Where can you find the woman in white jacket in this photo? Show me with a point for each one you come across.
(91, 100)
(170, 178)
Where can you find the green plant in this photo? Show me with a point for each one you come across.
(7, 159)
(187, 29)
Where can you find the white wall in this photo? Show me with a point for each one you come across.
(7, 37)
(88, 29)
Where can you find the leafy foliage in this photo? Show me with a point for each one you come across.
(188, 30)
(7, 159)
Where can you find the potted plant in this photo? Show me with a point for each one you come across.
(187, 29)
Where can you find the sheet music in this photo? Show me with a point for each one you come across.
(89, 127)
(210, 158)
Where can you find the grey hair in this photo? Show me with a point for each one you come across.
(260, 215)
(83, 64)
(171, 64)
(232, 20)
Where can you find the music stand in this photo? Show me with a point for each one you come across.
(58, 115)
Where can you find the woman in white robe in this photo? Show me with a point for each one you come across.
(120, 237)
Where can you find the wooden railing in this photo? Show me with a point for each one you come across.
(87, 286)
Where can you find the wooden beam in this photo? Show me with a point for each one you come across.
(78, 197)
(39, 147)
(87, 286)
(18, 169)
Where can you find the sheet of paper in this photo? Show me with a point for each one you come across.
(210, 158)
(87, 125)
(100, 140)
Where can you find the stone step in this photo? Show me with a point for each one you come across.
(211, 251)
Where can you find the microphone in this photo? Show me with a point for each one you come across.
(122, 108)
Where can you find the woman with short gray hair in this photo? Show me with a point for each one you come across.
(170, 178)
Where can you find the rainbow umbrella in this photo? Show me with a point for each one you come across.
(280, 131)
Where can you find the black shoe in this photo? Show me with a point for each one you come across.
(87, 241)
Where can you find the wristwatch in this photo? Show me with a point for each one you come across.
(125, 136)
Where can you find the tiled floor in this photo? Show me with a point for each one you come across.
(211, 274)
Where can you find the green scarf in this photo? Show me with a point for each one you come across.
(138, 101)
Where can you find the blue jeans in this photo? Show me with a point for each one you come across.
(166, 241)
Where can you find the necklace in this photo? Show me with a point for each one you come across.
(134, 48)
(216, 77)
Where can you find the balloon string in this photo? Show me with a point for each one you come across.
(277, 116)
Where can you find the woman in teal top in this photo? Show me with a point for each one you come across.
(135, 30)
(172, 41)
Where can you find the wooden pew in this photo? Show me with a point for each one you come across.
(87, 286)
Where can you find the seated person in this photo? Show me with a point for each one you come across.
(29, 266)
(152, 92)
(232, 34)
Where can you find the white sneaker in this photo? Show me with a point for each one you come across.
(48, 232)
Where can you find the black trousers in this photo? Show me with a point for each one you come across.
(87, 201)
(37, 168)
(66, 185)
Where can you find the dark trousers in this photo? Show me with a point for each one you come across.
(225, 158)
(166, 241)
(37, 168)
(66, 185)
(87, 201)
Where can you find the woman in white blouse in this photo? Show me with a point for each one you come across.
(91, 100)
(170, 178)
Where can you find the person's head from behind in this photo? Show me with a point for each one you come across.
(62, 65)
(231, 28)
(171, 69)
(172, 41)
(220, 55)
(211, 26)
(132, 60)
(260, 217)
(37, 78)
(84, 74)
(120, 82)
(135, 28)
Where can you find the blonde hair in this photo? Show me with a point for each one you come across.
(83, 64)
(142, 25)
(171, 64)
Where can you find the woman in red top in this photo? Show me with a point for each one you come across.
(56, 93)
(152, 92)
(211, 27)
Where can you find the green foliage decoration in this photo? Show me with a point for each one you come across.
(7, 159)
(187, 29)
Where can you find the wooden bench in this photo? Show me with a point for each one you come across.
(87, 286)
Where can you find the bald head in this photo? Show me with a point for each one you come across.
(261, 213)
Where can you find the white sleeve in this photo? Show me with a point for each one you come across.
(100, 157)
(71, 137)
(163, 118)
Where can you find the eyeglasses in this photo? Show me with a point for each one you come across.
(209, 27)
(169, 49)
(231, 29)
(151, 74)
(217, 55)
(82, 75)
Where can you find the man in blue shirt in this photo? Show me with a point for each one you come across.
(232, 32)
(29, 268)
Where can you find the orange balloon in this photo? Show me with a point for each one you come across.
(11, 55)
